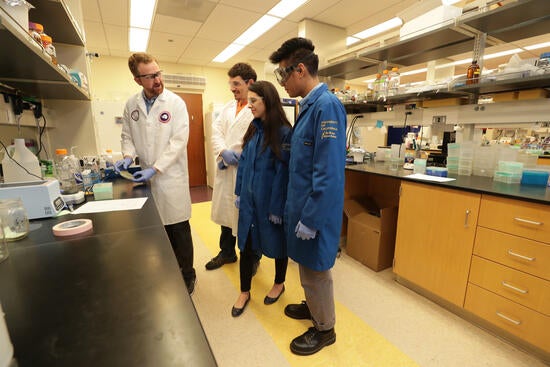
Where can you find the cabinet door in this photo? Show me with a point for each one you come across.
(435, 238)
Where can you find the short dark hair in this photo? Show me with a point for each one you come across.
(243, 70)
(139, 58)
(297, 50)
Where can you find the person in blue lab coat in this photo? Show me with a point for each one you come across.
(315, 199)
(261, 186)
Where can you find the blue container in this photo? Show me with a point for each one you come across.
(535, 178)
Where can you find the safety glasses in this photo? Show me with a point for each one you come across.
(282, 74)
(153, 76)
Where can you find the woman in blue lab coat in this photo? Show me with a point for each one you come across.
(261, 186)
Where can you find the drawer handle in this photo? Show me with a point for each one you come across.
(501, 315)
(519, 290)
(523, 257)
(528, 221)
(466, 218)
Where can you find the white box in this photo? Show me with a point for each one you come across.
(19, 13)
(429, 21)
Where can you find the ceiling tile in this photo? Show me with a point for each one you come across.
(115, 12)
(90, 11)
(117, 37)
(225, 24)
(167, 44)
(95, 36)
(168, 24)
(194, 10)
(252, 5)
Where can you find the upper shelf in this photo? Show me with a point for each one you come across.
(26, 67)
(512, 22)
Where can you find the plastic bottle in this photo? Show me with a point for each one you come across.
(472, 74)
(109, 172)
(393, 83)
(376, 87)
(13, 172)
(66, 172)
(383, 85)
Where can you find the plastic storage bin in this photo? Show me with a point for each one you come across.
(535, 177)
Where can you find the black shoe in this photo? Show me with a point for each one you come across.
(312, 341)
(219, 261)
(298, 311)
(190, 284)
(235, 312)
(269, 301)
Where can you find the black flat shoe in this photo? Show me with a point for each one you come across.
(269, 301)
(236, 312)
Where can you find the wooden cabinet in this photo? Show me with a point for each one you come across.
(509, 282)
(435, 238)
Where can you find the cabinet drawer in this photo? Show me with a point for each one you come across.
(516, 252)
(516, 217)
(518, 320)
(515, 285)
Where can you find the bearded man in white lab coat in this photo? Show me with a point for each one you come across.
(227, 136)
(156, 129)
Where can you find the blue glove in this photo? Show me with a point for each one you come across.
(238, 202)
(123, 164)
(144, 175)
(275, 219)
(230, 157)
(303, 232)
(221, 165)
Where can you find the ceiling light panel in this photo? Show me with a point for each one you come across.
(138, 39)
(141, 13)
(263, 24)
(285, 7)
(379, 28)
(229, 52)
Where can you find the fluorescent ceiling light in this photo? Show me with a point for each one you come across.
(538, 45)
(412, 72)
(351, 40)
(377, 29)
(503, 53)
(285, 7)
(449, 2)
(229, 52)
(263, 24)
(138, 38)
(141, 13)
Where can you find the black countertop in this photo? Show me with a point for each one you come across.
(114, 297)
(479, 184)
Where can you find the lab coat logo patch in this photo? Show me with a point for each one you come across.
(135, 115)
(164, 117)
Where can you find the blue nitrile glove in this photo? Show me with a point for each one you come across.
(237, 202)
(230, 157)
(144, 175)
(221, 165)
(123, 164)
(275, 219)
(303, 232)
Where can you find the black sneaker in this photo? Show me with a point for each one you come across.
(190, 284)
(219, 261)
(298, 311)
(312, 341)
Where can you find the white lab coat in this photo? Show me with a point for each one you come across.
(227, 133)
(160, 140)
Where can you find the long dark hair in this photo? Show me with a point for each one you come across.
(274, 117)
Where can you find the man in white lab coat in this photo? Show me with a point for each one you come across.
(156, 129)
(227, 136)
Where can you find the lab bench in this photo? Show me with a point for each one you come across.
(477, 247)
(114, 297)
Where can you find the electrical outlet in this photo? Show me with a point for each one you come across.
(439, 119)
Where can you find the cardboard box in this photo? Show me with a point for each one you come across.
(533, 93)
(370, 238)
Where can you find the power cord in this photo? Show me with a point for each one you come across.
(350, 131)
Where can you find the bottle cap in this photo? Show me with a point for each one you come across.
(61, 151)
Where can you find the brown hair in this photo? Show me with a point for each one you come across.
(275, 117)
(139, 58)
(243, 70)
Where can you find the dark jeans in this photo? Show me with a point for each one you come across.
(246, 267)
(182, 245)
(227, 243)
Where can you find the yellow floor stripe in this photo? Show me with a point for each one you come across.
(357, 344)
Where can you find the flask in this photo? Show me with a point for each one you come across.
(393, 83)
(14, 172)
(65, 170)
(472, 74)
(376, 87)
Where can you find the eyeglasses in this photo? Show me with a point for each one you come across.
(282, 74)
(236, 83)
(254, 100)
(153, 76)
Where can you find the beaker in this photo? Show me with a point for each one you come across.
(15, 221)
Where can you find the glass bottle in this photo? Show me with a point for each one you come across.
(15, 222)
(472, 74)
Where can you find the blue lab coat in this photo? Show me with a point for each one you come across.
(316, 179)
(262, 184)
